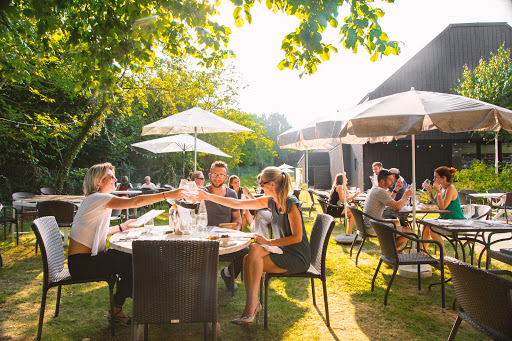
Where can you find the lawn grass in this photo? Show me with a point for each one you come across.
(355, 312)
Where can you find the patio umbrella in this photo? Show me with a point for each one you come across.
(409, 113)
(285, 166)
(303, 138)
(179, 143)
(196, 121)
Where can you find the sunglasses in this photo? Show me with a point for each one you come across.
(200, 178)
(263, 183)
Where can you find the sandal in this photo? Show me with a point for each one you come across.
(124, 321)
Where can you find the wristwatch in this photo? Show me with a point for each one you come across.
(394, 191)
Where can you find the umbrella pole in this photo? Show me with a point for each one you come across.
(195, 149)
(183, 165)
(496, 153)
(413, 140)
(344, 187)
(307, 177)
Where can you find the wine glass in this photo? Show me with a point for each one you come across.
(202, 222)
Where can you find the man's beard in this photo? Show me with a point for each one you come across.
(217, 186)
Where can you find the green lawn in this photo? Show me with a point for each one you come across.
(356, 313)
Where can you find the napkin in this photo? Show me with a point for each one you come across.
(273, 249)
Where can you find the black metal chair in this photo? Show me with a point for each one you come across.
(175, 281)
(319, 239)
(313, 202)
(507, 205)
(55, 275)
(484, 299)
(48, 191)
(13, 218)
(361, 227)
(387, 240)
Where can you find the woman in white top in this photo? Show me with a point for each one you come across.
(88, 256)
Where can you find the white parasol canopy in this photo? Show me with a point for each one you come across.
(179, 143)
(303, 138)
(196, 121)
(409, 113)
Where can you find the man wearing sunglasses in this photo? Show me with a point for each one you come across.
(218, 214)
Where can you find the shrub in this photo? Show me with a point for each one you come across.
(481, 177)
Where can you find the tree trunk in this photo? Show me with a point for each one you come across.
(78, 142)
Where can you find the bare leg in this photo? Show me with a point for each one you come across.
(351, 220)
(438, 238)
(426, 235)
(255, 263)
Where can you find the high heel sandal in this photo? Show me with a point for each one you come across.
(248, 319)
(120, 320)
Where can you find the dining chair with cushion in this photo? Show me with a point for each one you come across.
(175, 281)
(9, 218)
(24, 210)
(48, 191)
(362, 229)
(54, 274)
(386, 233)
(484, 299)
(318, 240)
(507, 204)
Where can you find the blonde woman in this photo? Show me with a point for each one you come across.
(337, 197)
(198, 178)
(88, 256)
(287, 227)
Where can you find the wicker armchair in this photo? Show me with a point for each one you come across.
(334, 211)
(175, 281)
(484, 300)
(319, 239)
(387, 241)
(465, 198)
(52, 252)
(507, 205)
(24, 210)
(48, 191)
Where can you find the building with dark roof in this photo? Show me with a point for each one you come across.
(437, 67)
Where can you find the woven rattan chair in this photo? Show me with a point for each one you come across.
(63, 211)
(175, 281)
(52, 252)
(319, 239)
(484, 299)
(387, 240)
(12, 218)
(361, 229)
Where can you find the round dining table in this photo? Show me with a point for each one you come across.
(122, 241)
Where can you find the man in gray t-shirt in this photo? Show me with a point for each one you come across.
(218, 214)
(379, 198)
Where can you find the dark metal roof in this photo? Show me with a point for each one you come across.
(438, 66)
